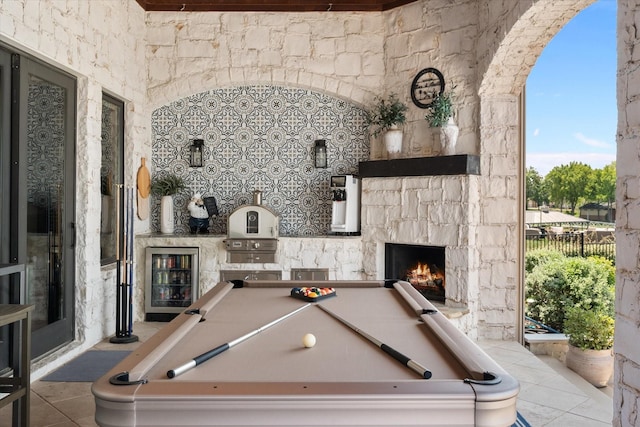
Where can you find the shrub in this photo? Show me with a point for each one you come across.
(556, 284)
(540, 256)
(589, 329)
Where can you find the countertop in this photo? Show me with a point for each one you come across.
(224, 236)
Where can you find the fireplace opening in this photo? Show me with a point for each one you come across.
(422, 266)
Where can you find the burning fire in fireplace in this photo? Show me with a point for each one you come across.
(422, 266)
(426, 278)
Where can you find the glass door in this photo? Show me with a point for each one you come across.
(44, 197)
(171, 281)
(5, 167)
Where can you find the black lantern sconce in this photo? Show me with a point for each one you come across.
(196, 153)
(320, 150)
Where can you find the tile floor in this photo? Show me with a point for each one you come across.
(551, 395)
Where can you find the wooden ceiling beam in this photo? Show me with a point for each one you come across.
(270, 5)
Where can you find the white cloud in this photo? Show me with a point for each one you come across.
(544, 162)
(536, 132)
(590, 141)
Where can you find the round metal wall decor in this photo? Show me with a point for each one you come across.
(426, 84)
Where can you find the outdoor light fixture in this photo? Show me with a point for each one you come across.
(320, 150)
(196, 153)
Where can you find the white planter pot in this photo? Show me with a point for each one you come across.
(166, 215)
(595, 366)
(393, 142)
(449, 137)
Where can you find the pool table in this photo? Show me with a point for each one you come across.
(270, 378)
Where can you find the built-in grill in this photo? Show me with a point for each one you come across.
(252, 233)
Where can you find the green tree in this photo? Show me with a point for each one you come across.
(569, 183)
(536, 187)
(555, 184)
(604, 187)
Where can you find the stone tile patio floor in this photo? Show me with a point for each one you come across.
(551, 395)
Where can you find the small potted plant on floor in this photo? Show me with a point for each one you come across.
(440, 115)
(590, 352)
(165, 187)
(385, 117)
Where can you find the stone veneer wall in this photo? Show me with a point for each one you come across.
(356, 56)
(626, 399)
(486, 47)
(101, 42)
(435, 211)
(341, 256)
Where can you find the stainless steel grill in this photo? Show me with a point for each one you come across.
(252, 234)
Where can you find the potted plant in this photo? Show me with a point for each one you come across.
(165, 187)
(590, 352)
(440, 115)
(386, 116)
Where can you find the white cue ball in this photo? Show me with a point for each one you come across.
(308, 340)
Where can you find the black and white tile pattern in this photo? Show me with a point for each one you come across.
(259, 137)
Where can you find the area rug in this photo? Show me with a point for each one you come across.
(521, 422)
(87, 367)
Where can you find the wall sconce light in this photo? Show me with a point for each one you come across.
(196, 153)
(320, 150)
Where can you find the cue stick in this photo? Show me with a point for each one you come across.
(409, 363)
(130, 260)
(130, 282)
(119, 249)
(221, 348)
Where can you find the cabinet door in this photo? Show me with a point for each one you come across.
(171, 279)
(226, 275)
(310, 274)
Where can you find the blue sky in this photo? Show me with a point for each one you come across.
(571, 112)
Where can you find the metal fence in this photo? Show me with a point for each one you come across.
(582, 243)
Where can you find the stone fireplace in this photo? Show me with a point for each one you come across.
(431, 202)
(422, 266)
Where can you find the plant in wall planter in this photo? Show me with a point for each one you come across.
(440, 115)
(590, 352)
(165, 187)
(385, 117)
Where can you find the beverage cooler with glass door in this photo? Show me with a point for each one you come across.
(171, 281)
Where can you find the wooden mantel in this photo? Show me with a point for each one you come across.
(460, 164)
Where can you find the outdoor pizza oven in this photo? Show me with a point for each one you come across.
(252, 233)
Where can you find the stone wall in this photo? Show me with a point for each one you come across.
(430, 211)
(627, 350)
(356, 56)
(441, 35)
(486, 47)
(340, 53)
(101, 43)
(341, 256)
(511, 36)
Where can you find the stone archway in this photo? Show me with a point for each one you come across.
(501, 215)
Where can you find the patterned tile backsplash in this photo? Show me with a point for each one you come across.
(259, 138)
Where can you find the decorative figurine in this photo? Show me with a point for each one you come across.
(199, 220)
